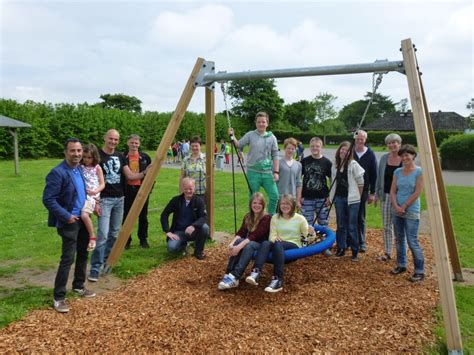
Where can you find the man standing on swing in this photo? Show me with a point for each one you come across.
(262, 159)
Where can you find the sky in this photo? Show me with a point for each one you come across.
(74, 51)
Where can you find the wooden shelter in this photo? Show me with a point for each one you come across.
(12, 126)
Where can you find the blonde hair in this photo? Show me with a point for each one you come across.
(287, 198)
(251, 219)
(291, 141)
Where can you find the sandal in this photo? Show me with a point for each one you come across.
(384, 258)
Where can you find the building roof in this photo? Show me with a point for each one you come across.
(403, 121)
(11, 123)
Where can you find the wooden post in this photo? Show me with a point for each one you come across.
(14, 133)
(155, 167)
(448, 223)
(210, 141)
(448, 301)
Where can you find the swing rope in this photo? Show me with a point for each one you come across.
(376, 81)
(233, 147)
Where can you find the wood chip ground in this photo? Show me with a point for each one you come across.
(327, 305)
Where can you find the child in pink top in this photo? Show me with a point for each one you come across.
(94, 179)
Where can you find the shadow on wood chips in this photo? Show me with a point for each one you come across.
(327, 305)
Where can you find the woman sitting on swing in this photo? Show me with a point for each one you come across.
(254, 230)
(286, 229)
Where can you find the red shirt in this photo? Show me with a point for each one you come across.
(260, 233)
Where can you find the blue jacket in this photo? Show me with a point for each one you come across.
(59, 194)
(369, 162)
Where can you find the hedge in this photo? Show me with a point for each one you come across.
(53, 124)
(375, 138)
(457, 152)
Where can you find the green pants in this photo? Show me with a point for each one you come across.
(265, 180)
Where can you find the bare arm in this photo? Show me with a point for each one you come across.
(230, 131)
(131, 175)
(393, 196)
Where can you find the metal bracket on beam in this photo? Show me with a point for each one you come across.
(208, 68)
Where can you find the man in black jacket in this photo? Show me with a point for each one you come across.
(189, 220)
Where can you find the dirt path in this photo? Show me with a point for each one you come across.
(327, 305)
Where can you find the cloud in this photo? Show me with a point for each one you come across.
(200, 28)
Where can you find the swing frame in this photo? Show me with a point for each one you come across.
(442, 234)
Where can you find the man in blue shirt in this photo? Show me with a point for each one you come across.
(64, 196)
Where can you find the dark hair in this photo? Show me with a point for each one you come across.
(338, 157)
(91, 148)
(407, 148)
(195, 139)
(71, 140)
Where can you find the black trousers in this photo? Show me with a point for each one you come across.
(130, 195)
(74, 241)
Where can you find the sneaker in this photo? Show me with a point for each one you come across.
(362, 249)
(398, 270)
(355, 258)
(417, 277)
(84, 292)
(199, 256)
(327, 253)
(229, 281)
(253, 277)
(276, 285)
(60, 306)
(340, 253)
(93, 278)
(144, 245)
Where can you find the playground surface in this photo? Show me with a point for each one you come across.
(327, 305)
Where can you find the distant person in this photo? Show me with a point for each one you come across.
(407, 185)
(64, 196)
(348, 178)
(194, 167)
(262, 159)
(185, 149)
(94, 179)
(290, 172)
(138, 163)
(115, 170)
(300, 151)
(227, 153)
(367, 160)
(254, 230)
(189, 220)
(388, 164)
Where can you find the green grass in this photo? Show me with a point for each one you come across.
(27, 242)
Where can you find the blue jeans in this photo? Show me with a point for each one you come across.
(238, 263)
(109, 221)
(361, 219)
(278, 255)
(406, 229)
(199, 237)
(346, 219)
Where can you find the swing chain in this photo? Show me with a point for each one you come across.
(376, 81)
(224, 94)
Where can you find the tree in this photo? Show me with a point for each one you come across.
(121, 102)
(470, 106)
(324, 106)
(351, 114)
(252, 96)
(300, 114)
(402, 105)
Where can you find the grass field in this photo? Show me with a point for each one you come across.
(27, 242)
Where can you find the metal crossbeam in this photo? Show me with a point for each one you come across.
(378, 66)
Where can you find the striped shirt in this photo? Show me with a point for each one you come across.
(289, 230)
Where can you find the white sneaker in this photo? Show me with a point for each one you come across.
(253, 277)
(60, 306)
(229, 281)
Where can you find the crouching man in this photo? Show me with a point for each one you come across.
(189, 220)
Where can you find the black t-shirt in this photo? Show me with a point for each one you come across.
(388, 177)
(315, 174)
(342, 184)
(112, 165)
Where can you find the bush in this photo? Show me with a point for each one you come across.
(457, 152)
